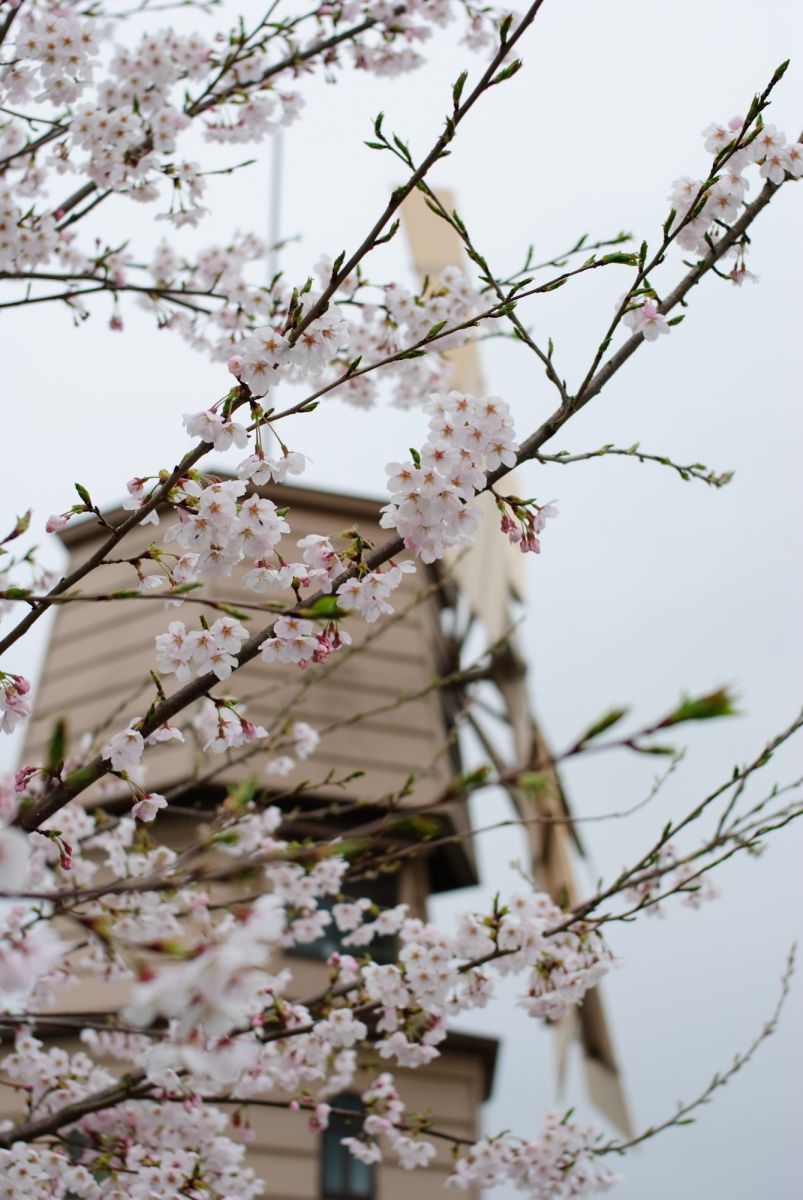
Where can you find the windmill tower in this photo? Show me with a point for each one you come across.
(491, 579)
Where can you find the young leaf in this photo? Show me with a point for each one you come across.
(701, 708)
(607, 721)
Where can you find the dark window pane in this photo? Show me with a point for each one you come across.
(382, 891)
(344, 1177)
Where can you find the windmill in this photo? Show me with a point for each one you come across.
(490, 578)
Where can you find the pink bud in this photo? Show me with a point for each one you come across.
(56, 522)
(22, 778)
(22, 684)
(235, 364)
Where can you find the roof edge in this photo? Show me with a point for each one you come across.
(485, 1048)
(282, 494)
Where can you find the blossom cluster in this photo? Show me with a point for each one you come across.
(702, 210)
(561, 1162)
(116, 111)
(523, 520)
(14, 701)
(217, 529)
(367, 323)
(303, 741)
(134, 1151)
(430, 507)
(265, 354)
(720, 204)
(213, 648)
(218, 1018)
(396, 322)
(668, 875)
(385, 1110)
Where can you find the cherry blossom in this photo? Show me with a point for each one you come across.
(430, 506)
(646, 320)
(148, 806)
(14, 701)
(125, 749)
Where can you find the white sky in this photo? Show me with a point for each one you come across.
(646, 586)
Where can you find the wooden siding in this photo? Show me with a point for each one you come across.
(286, 1155)
(96, 673)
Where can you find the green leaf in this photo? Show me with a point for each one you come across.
(701, 708)
(422, 827)
(325, 606)
(403, 149)
(185, 587)
(231, 611)
(242, 794)
(629, 260)
(457, 90)
(533, 781)
(84, 494)
(20, 527)
(473, 778)
(386, 237)
(57, 745)
(607, 721)
(507, 72)
(780, 72)
(435, 330)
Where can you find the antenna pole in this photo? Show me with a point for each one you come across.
(275, 202)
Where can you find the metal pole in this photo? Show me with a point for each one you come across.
(275, 203)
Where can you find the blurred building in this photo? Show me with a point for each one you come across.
(377, 711)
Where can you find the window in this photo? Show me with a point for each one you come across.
(344, 1177)
(384, 892)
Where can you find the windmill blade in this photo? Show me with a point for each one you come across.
(490, 576)
(552, 840)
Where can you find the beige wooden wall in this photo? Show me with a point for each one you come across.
(96, 670)
(99, 656)
(451, 1088)
(286, 1155)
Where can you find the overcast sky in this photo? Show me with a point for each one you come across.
(646, 586)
